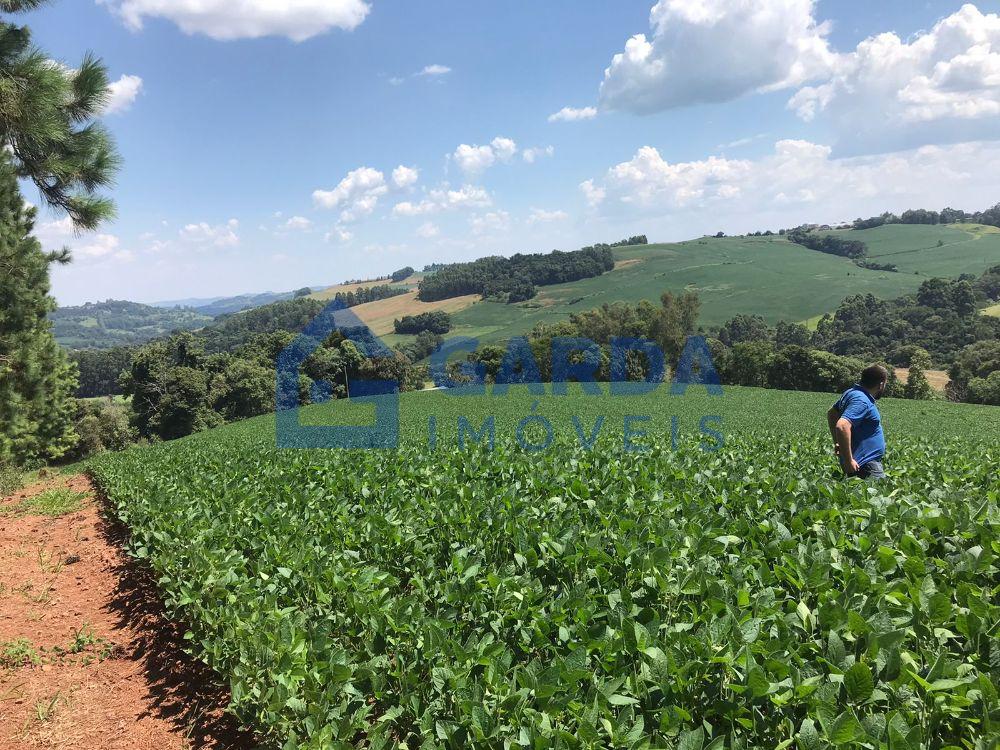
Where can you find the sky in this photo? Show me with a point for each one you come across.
(273, 145)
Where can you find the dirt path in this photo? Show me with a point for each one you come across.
(87, 659)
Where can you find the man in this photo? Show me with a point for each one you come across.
(856, 426)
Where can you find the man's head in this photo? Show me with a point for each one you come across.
(874, 379)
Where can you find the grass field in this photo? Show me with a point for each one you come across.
(669, 597)
(965, 248)
(993, 310)
(766, 276)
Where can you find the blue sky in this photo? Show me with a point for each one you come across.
(261, 144)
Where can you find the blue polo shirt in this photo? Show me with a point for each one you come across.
(867, 439)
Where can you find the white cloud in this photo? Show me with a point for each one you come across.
(221, 235)
(475, 159)
(799, 181)
(122, 93)
(942, 86)
(357, 194)
(504, 148)
(428, 71)
(492, 222)
(540, 215)
(428, 230)
(595, 195)
(61, 233)
(339, 234)
(445, 199)
(531, 155)
(714, 51)
(647, 179)
(297, 20)
(403, 177)
(300, 223)
(435, 70)
(573, 114)
(99, 246)
(740, 142)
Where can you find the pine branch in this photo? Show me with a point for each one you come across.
(20, 6)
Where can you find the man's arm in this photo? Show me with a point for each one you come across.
(832, 417)
(842, 438)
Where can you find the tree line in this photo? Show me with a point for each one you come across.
(989, 217)
(515, 279)
(437, 321)
(828, 243)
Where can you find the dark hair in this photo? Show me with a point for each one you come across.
(874, 375)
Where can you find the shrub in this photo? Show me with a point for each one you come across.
(102, 426)
(985, 390)
(11, 479)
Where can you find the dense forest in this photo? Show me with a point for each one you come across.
(514, 279)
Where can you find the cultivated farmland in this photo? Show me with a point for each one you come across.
(663, 597)
(945, 251)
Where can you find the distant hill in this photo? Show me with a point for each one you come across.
(215, 306)
(243, 302)
(193, 302)
(767, 276)
(103, 325)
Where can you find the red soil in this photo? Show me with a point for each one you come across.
(129, 685)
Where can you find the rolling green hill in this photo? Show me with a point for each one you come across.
(767, 276)
(104, 325)
(945, 251)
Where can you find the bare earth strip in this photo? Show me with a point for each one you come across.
(333, 291)
(937, 379)
(379, 315)
(87, 659)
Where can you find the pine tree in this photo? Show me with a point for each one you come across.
(47, 113)
(36, 380)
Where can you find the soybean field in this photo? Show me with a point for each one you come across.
(715, 593)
